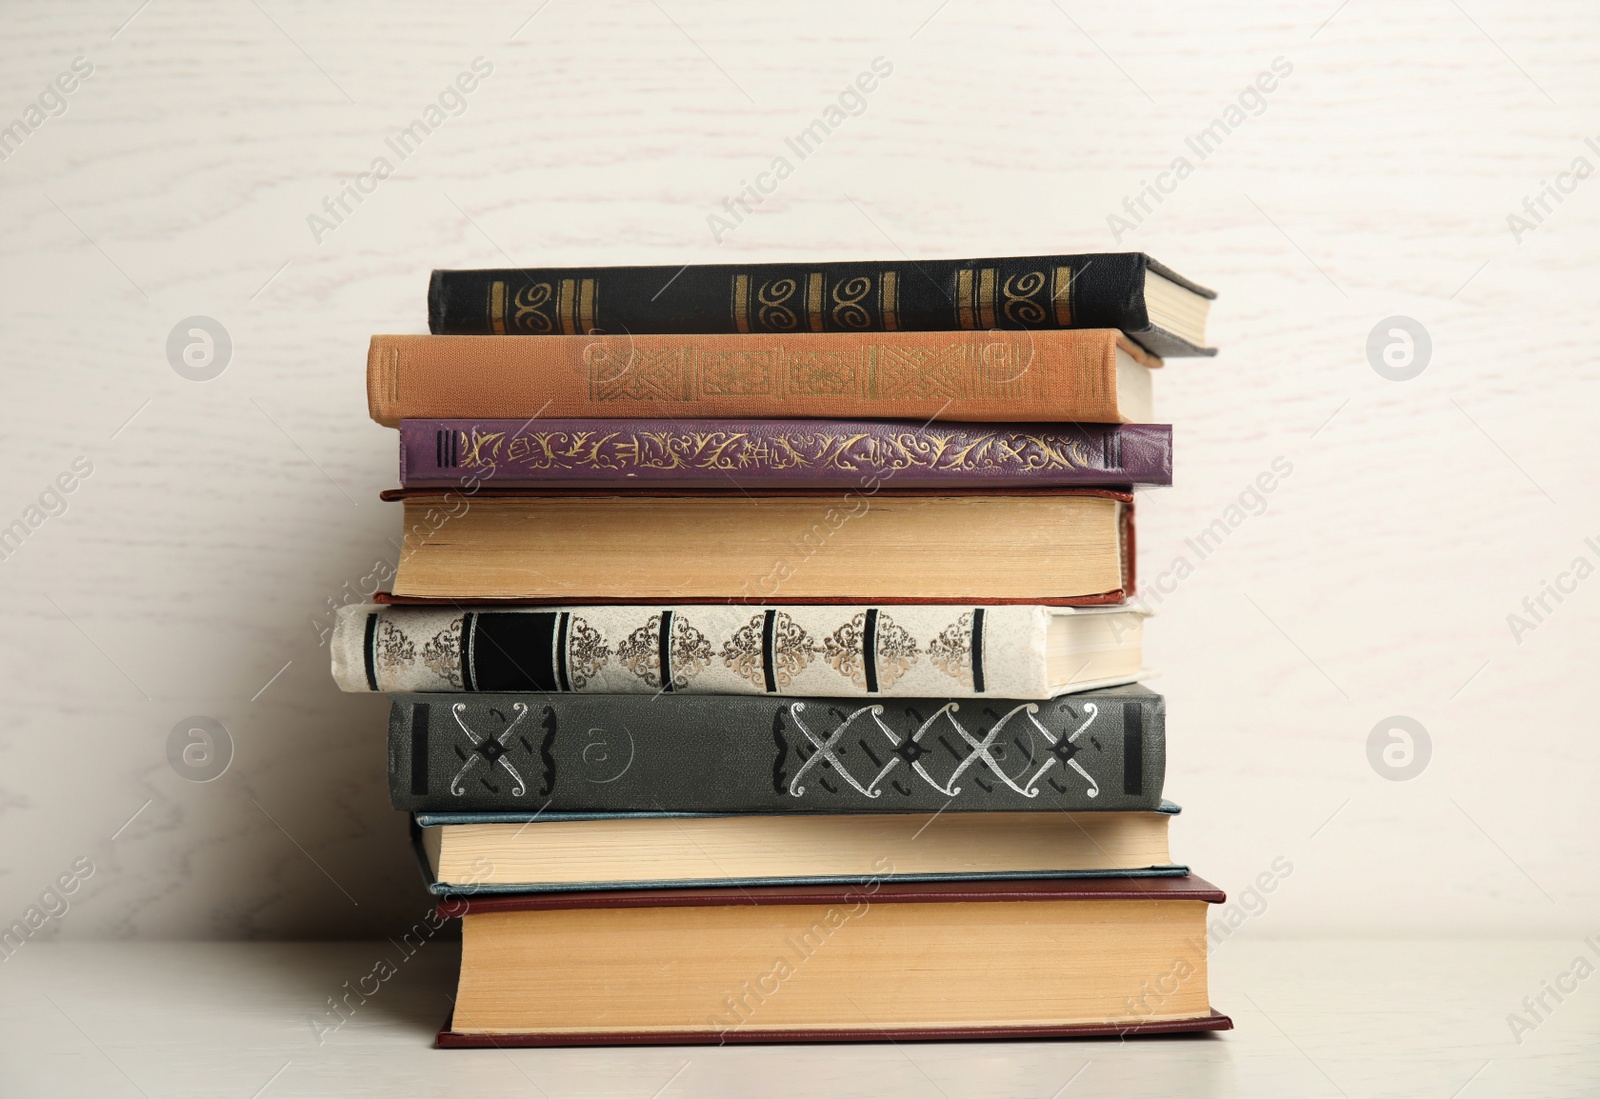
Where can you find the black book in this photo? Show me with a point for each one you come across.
(1164, 312)
(538, 753)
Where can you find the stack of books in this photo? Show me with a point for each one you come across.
(761, 655)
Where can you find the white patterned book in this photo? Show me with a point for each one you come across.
(899, 651)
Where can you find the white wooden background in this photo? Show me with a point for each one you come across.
(187, 573)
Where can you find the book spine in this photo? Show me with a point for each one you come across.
(739, 754)
(717, 454)
(1028, 292)
(802, 651)
(990, 376)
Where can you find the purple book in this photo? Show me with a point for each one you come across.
(714, 454)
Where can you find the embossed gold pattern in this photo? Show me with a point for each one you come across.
(774, 315)
(574, 303)
(587, 653)
(528, 309)
(986, 297)
(966, 316)
(897, 652)
(442, 652)
(934, 448)
(793, 650)
(1019, 307)
(951, 651)
(497, 307)
(847, 310)
(814, 286)
(741, 303)
(1060, 295)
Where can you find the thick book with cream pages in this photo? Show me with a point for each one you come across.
(882, 961)
(1046, 546)
(475, 854)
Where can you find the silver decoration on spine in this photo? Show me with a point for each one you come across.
(826, 751)
(474, 757)
(982, 751)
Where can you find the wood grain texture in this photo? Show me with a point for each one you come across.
(192, 569)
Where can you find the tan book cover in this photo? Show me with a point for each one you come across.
(1085, 375)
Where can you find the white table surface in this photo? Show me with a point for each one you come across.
(1315, 1017)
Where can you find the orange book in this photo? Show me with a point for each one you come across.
(1084, 375)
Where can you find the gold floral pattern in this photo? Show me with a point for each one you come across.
(392, 648)
(951, 448)
(951, 651)
(897, 652)
(442, 653)
(641, 652)
(689, 652)
(793, 650)
(587, 653)
(845, 651)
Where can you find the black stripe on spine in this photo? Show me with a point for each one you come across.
(666, 650)
(468, 621)
(869, 650)
(455, 451)
(517, 650)
(1132, 748)
(1113, 450)
(419, 749)
(977, 650)
(769, 634)
(438, 449)
(559, 656)
(369, 647)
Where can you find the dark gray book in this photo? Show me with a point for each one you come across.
(537, 753)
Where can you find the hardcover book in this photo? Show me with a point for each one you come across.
(883, 961)
(1126, 290)
(718, 454)
(1047, 546)
(477, 854)
(899, 651)
(1088, 376)
(745, 754)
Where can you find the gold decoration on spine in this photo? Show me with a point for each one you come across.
(1020, 308)
(824, 450)
(848, 294)
(965, 316)
(741, 303)
(889, 301)
(588, 300)
(896, 651)
(587, 652)
(814, 286)
(1060, 294)
(951, 651)
(497, 307)
(566, 299)
(442, 653)
(528, 309)
(986, 297)
(774, 314)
